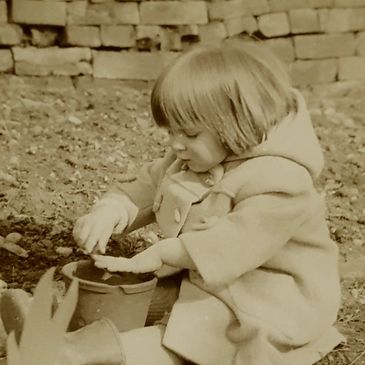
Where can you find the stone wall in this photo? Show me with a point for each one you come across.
(321, 40)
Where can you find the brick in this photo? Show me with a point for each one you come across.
(275, 24)
(3, 12)
(52, 61)
(148, 31)
(82, 35)
(110, 12)
(10, 34)
(334, 20)
(125, 13)
(304, 21)
(213, 32)
(236, 26)
(357, 19)
(89, 14)
(122, 36)
(170, 39)
(324, 45)
(257, 7)
(284, 5)
(130, 65)
(349, 3)
(360, 44)
(313, 72)
(6, 60)
(173, 12)
(351, 68)
(38, 12)
(225, 10)
(283, 48)
(76, 10)
(319, 3)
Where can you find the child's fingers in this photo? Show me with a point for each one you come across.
(103, 241)
(80, 231)
(112, 263)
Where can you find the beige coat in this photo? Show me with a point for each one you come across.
(266, 290)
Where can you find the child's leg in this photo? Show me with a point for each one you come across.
(144, 346)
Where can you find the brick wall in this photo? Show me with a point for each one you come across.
(321, 40)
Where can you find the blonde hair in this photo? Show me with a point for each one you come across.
(238, 89)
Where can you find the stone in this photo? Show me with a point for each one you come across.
(130, 65)
(52, 61)
(351, 68)
(349, 3)
(170, 39)
(334, 20)
(360, 44)
(3, 12)
(357, 19)
(273, 25)
(226, 9)
(239, 25)
(304, 21)
(83, 13)
(82, 35)
(310, 72)
(122, 36)
(213, 32)
(319, 3)
(173, 12)
(324, 45)
(10, 34)
(125, 13)
(257, 7)
(38, 12)
(6, 60)
(284, 5)
(283, 48)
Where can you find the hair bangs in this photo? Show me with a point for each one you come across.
(238, 90)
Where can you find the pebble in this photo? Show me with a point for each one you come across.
(7, 178)
(37, 130)
(14, 237)
(14, 160)
(74, 120)
(64, 251)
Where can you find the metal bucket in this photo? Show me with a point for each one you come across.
(122, 297)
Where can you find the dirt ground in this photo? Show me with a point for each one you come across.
(62, 144)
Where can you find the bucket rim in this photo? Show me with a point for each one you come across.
(68, 270)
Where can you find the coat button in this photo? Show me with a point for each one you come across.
(177, 216)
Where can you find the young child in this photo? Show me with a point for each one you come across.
(236, 202)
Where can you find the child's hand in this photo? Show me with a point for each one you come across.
(148, 260)
(92, 231)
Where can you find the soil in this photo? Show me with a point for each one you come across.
(63, 143)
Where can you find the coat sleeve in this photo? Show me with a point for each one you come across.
(247, 237)
(142, 190)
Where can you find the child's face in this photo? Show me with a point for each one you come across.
(200, 149)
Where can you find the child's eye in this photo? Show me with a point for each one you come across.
(191, 134)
